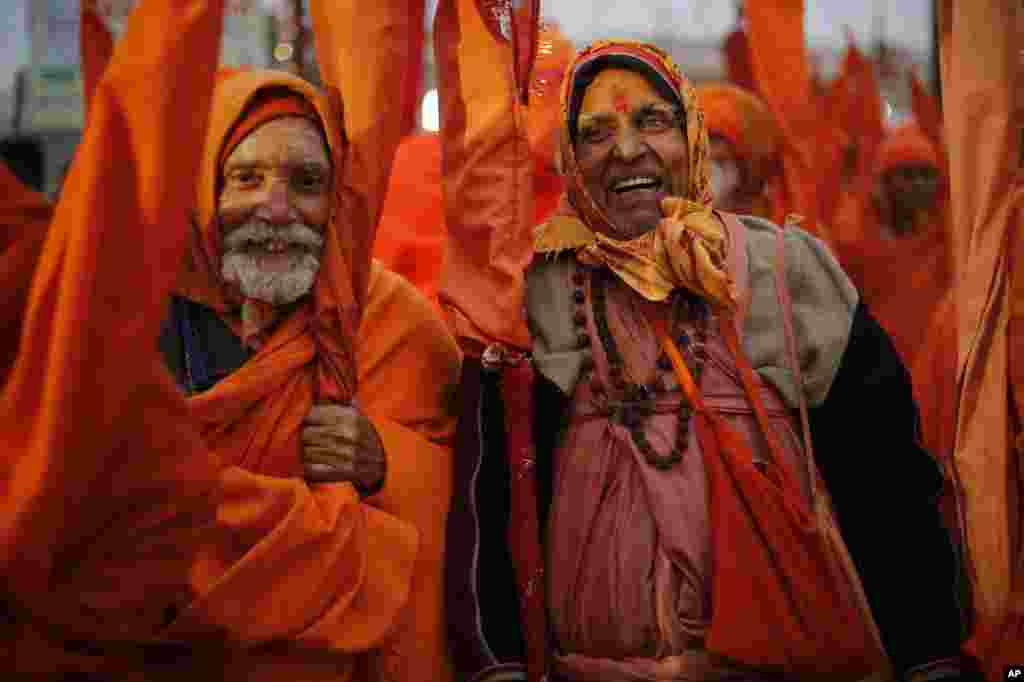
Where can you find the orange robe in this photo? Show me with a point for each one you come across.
(981, 126)
(122, 533)
(900, 279)
(741, 118)
(253, 418)
(933, 376)
(24, 216)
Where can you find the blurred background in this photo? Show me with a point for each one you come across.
(40, 86)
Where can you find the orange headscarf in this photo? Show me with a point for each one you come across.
(653, 264)
(901, 280)
(744, 121)
(256, 413)
(907, 145)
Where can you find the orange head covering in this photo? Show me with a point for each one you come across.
(657, 65)
(309, 356)
(907, 145)
(660, 261)
(742, 118)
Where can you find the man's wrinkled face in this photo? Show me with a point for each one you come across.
(631, 150)
(726, 174)
(274, 204)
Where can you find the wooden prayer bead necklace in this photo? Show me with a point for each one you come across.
(639, 401)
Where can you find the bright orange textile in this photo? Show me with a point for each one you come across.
(486, 152)
(411, 234)
(118, 526)
(900, 279)
(253, 418)
(742, 118)
(982, 129)
(781, 69)
(24, 217)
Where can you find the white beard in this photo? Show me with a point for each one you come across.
(241, 267)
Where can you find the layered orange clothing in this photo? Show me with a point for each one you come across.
(407, 362)
(980, 81)
(412, 232)
(736, 48)
(901, 279)
(129, 548)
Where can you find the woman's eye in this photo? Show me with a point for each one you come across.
(655, 122)
(310, 182)
(595, 135)
(244, 178)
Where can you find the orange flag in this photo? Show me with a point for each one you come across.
(485, 161)
(775, 29)
(96, 45)
(926, 109)
(981, 127)
(117, 526)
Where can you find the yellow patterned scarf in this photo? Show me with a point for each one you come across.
(686, 251)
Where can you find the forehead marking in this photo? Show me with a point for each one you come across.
(620, 103)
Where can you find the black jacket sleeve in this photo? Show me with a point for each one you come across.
(885, 489)
(482, 605)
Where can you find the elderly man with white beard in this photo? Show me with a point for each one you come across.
(262, 338)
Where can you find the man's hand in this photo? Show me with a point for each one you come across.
(341, 444)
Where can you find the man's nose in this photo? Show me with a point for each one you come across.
(276, 206)
(629, 144)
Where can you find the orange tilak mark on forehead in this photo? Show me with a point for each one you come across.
(616, 92)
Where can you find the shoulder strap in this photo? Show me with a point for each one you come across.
(737, 262)
(782, 290)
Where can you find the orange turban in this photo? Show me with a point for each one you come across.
(264, 110)
(742, 118)
(908, 145)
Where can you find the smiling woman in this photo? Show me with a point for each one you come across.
(631, 153)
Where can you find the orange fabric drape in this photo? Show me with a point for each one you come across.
(411, 234)
(741, 117)
(253, 418)
(775, 30)
(738, 68)
(900, 279)
(784, 592)
(926, 109)
(982, 128)
(412, 85)
(488, 201)
(115, 514)
(97, 46)
(24, 217)
(933, 374)
(407, 370)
